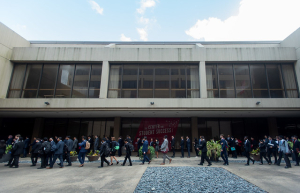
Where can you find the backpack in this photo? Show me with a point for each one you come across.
(131, 147)
(87, 145)
(47, 148)
(117, 146)
(107, 150)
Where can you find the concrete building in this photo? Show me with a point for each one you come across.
(149, 88)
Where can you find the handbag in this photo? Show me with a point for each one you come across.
(148, 152)
(167, 149)
(232, 148)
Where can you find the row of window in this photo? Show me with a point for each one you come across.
(154, 81)
(55, 81)
(159, 80)
(251, 81)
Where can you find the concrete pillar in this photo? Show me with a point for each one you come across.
(104, 80)
(117, 127)
(202, 74)
(38, 128)
(194, 131)
(273, 129)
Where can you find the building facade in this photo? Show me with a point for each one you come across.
(149, 89)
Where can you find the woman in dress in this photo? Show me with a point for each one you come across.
(113, 150)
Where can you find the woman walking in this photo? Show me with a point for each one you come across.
(113, 151)
(164, 150)
(156, 147)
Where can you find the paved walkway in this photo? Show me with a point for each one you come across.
(125, 179)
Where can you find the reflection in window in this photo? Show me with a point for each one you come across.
(17, 81)
(290, 80)
(129, 84)
(162, 83)
(212, 81)
(64, 81)
(259, 81)
(275, 81)
(95, 81)
(145, 81)
(242, 81)
(31, 83)
(81, 81)
(115, 78)
(48, 81)
(226, 81)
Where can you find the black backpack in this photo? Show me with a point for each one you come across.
(47, 148)
(107, 150)
(131, 147)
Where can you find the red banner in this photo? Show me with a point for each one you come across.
(157, 128)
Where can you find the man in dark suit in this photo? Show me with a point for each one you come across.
(9, 140)
(26, 146)
(35, 151)
(128, 153)
(182, 147)
(296, 149)
(254, 143)
(145, 150)
(69, 144)
(96, 143)
(139, 145)
(51, 153)
(188, 145)
(16, 151)
(173, 145)
(271, 149)
(75, 144)
(103, 153)
(43, 152)
(224, 154)
(203, 148)
(59, 150)
(247, 146)
(121, 144)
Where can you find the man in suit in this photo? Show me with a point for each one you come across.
(182, 147)
(139, 145)
(188, 145)
(69, 144)
(9, 140)
(283, 150)
(203, 148)
(59, 150)
(145, 150)
(45, 147)
(26, 146)
(103, 152)
(129, 139)
(128, 153)
(14, 142)
(271, 149)
(96, 143)
(75, 144)
(254, 143)
(224, 154)
(247, 146)
(35, 151)
(16, 151)
(173, 146)
(296, 149)
(51, 153)
(121, 144)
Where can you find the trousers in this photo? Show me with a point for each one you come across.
(60, 157)
(224, 156)
(164, 157)
(127, 157)
(103, 159)
(263, 155)
(204, 157)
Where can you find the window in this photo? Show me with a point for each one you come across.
(255, 80)
(55, 80)
(154, 81)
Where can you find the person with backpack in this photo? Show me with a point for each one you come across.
(43, 152)
(84, 147)
(114, 147)
(247, 150)
(104, 151)
(224, 145)
(283, 150)
(128, 153)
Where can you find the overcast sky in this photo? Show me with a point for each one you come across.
(151, 20)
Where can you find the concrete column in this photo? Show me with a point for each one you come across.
(273, 129)
(38, 128)
(194, 131)
(117, 127)
(202, 74)
(104, 80)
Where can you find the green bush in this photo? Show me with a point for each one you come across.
(150, 156)
(8, 149)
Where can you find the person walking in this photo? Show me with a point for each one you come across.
(296, 148)
(233, 147)
(128, 153)
(202, 146)
(156, 147)
(69, 144)
(51, 153)
(82, 152)
(263, 151)
(9, 140)
(26, 146)
(35, 151)
(196, 144)
(113, 151)
(75, 144)
(188, 146)
(173, 145)
(104, 151)
(16, 152)
(182, 147)
(284, 151)
(121, 144)
(139, 145)
(247, 146)
(224, 154)
(59, 150)
(165, 150)
(43, 152)
(96, 143)
(271, 149)
(145, 150)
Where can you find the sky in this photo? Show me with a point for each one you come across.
(151, 20)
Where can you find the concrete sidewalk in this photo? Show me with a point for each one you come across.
(116, 178)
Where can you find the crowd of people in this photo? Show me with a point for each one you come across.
(49, 150)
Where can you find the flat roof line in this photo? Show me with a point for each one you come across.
(154, 42)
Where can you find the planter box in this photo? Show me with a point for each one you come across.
(73, 158)
(93, 158)
(256, 157)
(5, 158)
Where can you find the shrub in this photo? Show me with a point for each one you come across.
(150, 156)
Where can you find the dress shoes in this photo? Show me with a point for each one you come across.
(209, 164)
(40, 168)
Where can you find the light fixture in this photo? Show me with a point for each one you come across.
(151, 103)
(47, 103)
(258, 102)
